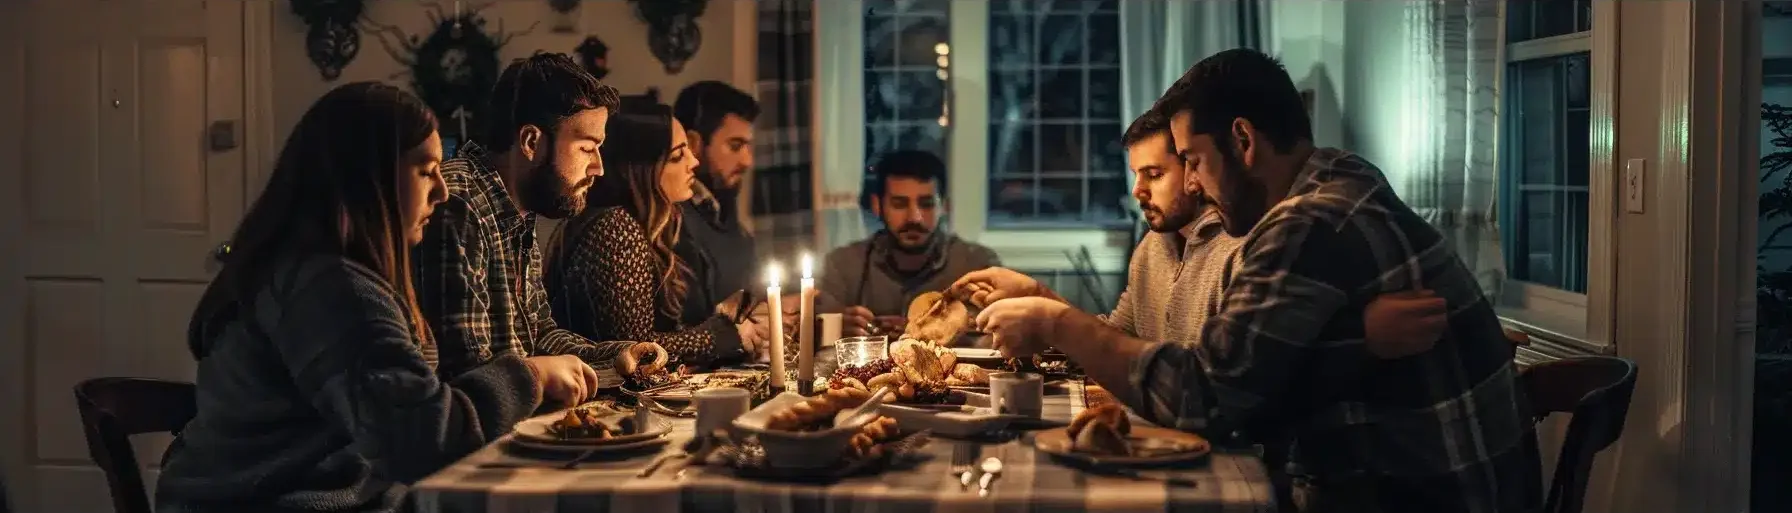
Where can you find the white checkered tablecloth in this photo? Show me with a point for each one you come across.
(1030, 481)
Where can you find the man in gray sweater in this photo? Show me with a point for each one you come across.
(873, 280)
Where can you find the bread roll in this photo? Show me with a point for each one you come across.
(970, 374)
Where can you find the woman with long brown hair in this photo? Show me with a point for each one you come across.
(611, 272)
(316, 381)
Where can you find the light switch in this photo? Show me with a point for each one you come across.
(1633, 185)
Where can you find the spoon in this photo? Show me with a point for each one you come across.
(865, 412)
(992, 468)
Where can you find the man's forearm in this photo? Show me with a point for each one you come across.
(1105, 353)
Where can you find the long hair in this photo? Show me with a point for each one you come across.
(334, 190)
(637, 144)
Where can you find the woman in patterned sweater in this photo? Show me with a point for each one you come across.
(611, 273)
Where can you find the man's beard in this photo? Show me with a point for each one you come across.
(1245, 199)
(550, 195)
(717, 181)
(1178, 215)
(917, 248)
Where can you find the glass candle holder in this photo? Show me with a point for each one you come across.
(860, 350)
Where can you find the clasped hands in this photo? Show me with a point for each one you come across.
(756, 331)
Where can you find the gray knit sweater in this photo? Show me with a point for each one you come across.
(1175, 281)
(317, 399)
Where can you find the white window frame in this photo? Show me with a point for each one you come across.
(1566, 323)
(840, 86)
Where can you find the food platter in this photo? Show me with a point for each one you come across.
(774, 426)
(680, 392)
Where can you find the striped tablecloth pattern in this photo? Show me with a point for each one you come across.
(1029, 481)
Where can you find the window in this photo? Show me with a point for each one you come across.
(1050, 111)
(1055, 156)
(907, 69)
(1545, 143)
(1556, 248)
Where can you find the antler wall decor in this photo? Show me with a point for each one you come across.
(567, 15)
(453, 66)
(331, 41)
(594, 56)
(672, 32)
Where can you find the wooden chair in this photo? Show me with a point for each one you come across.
(5, 506)
(1595, 391)
(113, 409)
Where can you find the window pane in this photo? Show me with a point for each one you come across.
(1545, 167)
(1773, 296)
(1012, 150)
(1061, 94)
(1538, 19)
(1104, 94)
(906, 80)
(1109, 197)
(1061, 149)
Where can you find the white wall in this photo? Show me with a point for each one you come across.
(633, 68)
(1349, 54)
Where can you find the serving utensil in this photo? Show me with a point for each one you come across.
(864, 412)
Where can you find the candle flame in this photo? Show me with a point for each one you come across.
(772, 273)
(808, 267)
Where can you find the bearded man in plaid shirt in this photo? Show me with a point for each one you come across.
(1282, 361)
(478, 270)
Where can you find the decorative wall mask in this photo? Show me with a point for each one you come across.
(567, 15)
(454, 66)
(331, 40)
(672, 32)
(594, 55)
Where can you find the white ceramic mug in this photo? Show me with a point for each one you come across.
(830, 327)
(1017, 393)
(718, 407)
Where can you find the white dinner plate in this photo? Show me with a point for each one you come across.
(538, 430)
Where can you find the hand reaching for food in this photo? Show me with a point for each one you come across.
(565, 379)
(641, 358)
(985, 286)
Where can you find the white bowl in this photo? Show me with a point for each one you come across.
(794, 449)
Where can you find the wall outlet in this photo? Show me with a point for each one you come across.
(1633, 185)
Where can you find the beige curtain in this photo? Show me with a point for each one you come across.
(1450, 123)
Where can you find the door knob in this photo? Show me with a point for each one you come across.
(221, 252)
(223, 135)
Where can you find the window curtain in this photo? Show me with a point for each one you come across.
(783, 179)
(839, 38)
(1160, 39)
(1451, 122)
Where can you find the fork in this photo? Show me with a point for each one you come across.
(964, 460)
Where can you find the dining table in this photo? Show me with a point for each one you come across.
(496, 480)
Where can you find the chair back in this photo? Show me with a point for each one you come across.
(113, 409)
(1595, 391)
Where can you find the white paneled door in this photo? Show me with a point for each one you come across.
(117, 194)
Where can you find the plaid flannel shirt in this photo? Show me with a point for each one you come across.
(1282, 358)
(478, 277)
